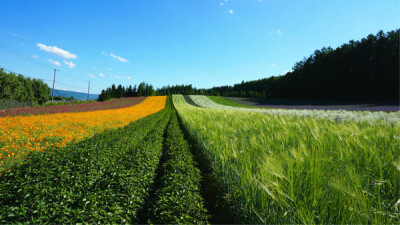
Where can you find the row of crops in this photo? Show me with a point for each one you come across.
(127, 175)
(300, 166)
(198, 159)
(20, 135)
(77, 107)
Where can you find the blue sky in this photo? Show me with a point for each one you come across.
(166, 42)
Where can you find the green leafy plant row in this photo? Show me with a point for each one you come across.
(104, 179)
(178, 199)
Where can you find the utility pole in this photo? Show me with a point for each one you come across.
(54, 80)
(88, 91)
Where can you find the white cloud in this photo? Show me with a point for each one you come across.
(273, 65)
(35, 56)
(231, 11)
(57, 63)
(119, 58)
(101, 74)
(104, 53)
(56, 51)
(288, 71)
(109, 69)
(129, 78)
(221, 3)
(69, 64)
(118, 77)
(279, 31)
(91, 75)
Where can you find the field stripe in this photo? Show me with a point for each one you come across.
(20, 135)
(286, 169)
(104, 179)
(77, 107)
(337, 115)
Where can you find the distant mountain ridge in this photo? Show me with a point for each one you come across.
(76, 95)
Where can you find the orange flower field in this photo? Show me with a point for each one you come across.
(20, 135)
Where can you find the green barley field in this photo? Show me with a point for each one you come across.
(278, 168)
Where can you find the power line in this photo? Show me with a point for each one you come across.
(70, 85)
(23, 74)
(42, 79)
(20, 55)
(69, 76)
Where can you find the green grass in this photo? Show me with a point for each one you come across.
(226, 102)
(288, 169)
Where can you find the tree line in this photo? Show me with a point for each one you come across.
(144, 89)
(358, 70)
(21, 89)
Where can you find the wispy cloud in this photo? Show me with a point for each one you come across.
(231, 11)
(109, 69)
(104, 53)
(69, 64)
(273, 64)
(221, 3)
(279, 31)
(35, 56)
(119, 58)
(56, 51)
(118, 77)
(56, 63)
(17, 35)
(101, 74)
(129, 78)
(91, 75)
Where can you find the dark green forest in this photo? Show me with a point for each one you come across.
(119, 91)
(359, 70)
(21, 89)
(364, 70)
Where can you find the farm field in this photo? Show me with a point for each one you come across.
(85, 107)
(126, 175)
(315, 104)
(337, 115)
(20, 135)
(223, 101)
(118, 112)
(166, 161)
(286, 168)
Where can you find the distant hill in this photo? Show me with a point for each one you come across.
(76, 95)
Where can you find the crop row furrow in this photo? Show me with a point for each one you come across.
(178, 199)
(104, 179)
